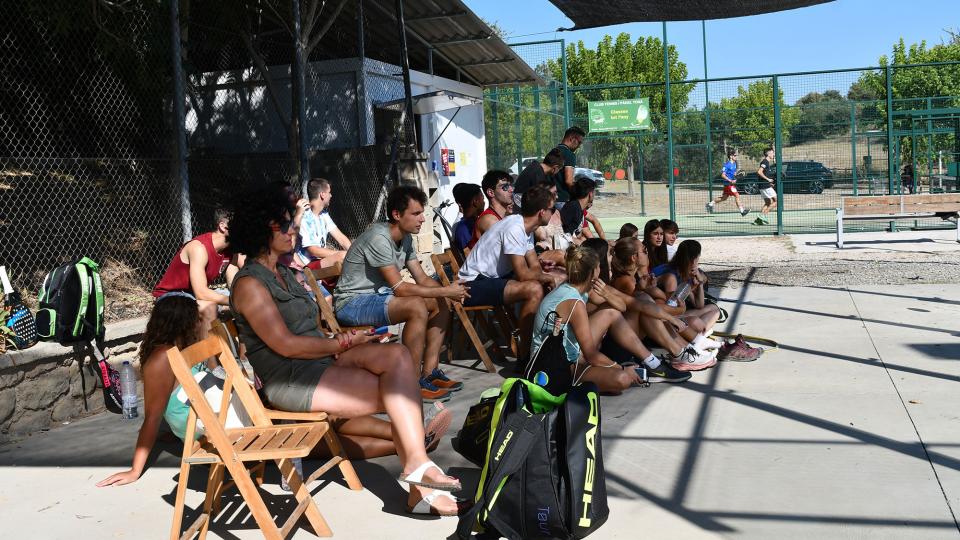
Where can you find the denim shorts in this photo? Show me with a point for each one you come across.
(365, 310)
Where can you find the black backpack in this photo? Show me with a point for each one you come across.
(543, 476)
(71, 304)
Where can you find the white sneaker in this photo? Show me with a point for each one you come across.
(690, 359)
(709, 207)
(703, 343)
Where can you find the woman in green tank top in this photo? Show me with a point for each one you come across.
(301, 369)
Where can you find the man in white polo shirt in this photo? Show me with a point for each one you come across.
(503, 267)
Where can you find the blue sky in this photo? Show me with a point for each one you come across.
(839, 34)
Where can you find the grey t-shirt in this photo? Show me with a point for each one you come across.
(371, 251)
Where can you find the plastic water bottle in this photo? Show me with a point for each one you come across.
(298, 465)
(679, 295)
(128, 390)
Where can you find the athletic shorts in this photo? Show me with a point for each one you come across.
(768, 194)
(365, 310)
(486, 291)
(730, 190)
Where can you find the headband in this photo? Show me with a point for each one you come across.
(177, 293)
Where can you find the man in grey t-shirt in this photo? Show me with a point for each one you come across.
(371, 292)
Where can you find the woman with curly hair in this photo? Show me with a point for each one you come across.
(174, 322)
(346, 376)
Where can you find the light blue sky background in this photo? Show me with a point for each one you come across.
(839, 34)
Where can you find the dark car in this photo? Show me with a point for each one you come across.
(797, 177)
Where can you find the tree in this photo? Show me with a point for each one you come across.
(821, 115)
(746, 120)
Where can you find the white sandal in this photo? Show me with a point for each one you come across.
(424, 506)
(416, 478)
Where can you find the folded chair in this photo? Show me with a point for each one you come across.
(231, 449)
(481, 312)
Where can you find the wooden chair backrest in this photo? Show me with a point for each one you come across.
(439, 260)
(326, 315)
(235, 382)
(884, 205)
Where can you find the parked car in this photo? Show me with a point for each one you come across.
(578, 172)
(797, 177)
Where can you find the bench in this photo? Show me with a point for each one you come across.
(891, 207)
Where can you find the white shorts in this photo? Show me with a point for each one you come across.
(768, 193)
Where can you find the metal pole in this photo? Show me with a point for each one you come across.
(853, 146)
(495, 112)
(537, 127)
(916, 181)
(643, 198)
(405, 64)
(566, 92)
(890, 163)
(778, 151)
(300, 98)
(180, 115)
(361, 45)
(666, 79)
(706, 112)
(518, 122)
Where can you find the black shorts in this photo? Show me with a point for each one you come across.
(486, 291)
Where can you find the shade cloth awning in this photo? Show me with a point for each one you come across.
(590, 14)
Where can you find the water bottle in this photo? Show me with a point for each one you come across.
(679, 295)
(128, 390)
(298, 465)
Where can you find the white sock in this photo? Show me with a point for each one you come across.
(651, 361)
(703, 343)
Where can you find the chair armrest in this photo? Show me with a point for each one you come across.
(274, 414)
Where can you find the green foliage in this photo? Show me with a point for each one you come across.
(821, 115)
(746, 120)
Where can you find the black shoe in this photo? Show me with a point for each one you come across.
(666, 373)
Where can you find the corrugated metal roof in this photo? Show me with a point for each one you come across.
(456, 35)
(587, 13)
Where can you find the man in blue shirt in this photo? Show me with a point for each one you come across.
(729, 175)
(470, 199)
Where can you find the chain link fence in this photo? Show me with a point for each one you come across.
(833, 142)
(85, 155)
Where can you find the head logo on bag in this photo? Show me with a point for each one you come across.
(591, 439)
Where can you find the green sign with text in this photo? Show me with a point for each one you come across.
(619, 115)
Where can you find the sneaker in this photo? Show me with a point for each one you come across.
(439, 379)
(709, 207)
(739, 351)
(436, 422)
(758, 221)
(703, 343)
(665, 373)
(690, 359)
(430, 393)
(744, 211)
(765, 220)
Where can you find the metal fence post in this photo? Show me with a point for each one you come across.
(518, 122)
(495, 113)
(566, 92)
(853, 146)
(179, 113)
(300, 97)
(778, 151)
(888, 70)
(666, 79)
(537, 127)
(706, 112)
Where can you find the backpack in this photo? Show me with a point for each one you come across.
(549, 366)
(543, 475)
(71, 304)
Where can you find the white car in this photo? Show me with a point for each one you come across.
(578, 172)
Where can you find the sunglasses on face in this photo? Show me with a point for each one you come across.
(283, 227)
(505, 187)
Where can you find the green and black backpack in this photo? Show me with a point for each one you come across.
(543, 475)
(71, 304)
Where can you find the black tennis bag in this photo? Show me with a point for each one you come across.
(543, 476)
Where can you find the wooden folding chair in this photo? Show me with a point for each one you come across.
(327, 318)
(463, 314)
(229, 449)
(227, 331)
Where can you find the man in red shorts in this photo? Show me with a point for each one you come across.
(729, 175)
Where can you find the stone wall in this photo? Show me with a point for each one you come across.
(41, 386)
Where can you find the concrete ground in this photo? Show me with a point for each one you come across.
(849, 430)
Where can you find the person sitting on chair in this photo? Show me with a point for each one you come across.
(498, 187)
(470, 199)
(346, 376)
(371, 291)
(315, 227)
